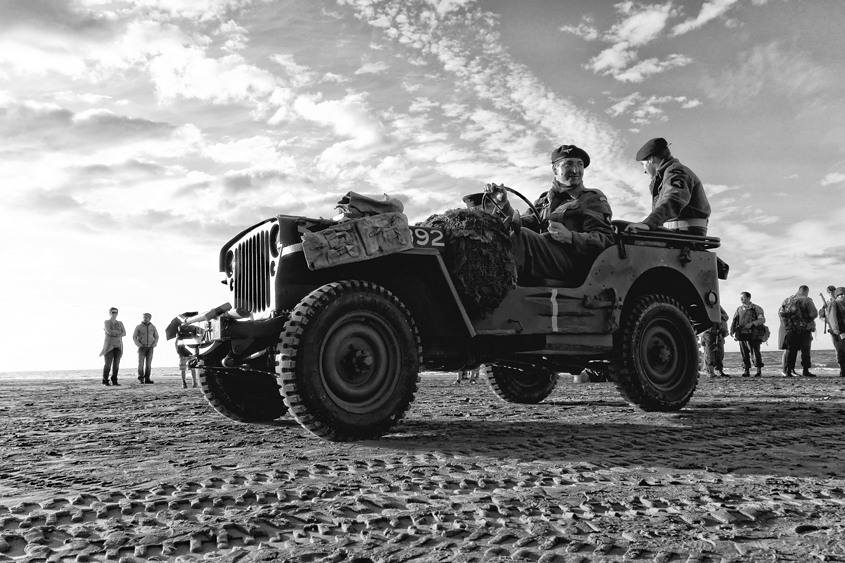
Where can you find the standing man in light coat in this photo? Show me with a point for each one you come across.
(146, 338)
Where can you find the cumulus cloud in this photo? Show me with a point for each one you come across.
(833, 178)
(586, 30)
(194, 9)
(350, 118)
(373, 68)
(187, 72)
(642, 70)
(710, 10)
(645, 110)
(639, 26)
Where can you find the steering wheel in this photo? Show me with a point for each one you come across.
(487, 197)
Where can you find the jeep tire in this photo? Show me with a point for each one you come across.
(243, 396)
(655, 360)
(520, 383)
(349, 361)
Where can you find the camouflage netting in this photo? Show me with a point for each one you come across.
(478, 255)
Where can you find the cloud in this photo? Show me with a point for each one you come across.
(639, 26)
(585, 30)
(642, 70)
(260, 151)
(373, 68)
(188, 73)
(833, 178)
(193, 9)
(769, 69)
(710, 10)
(647, 110)
(349, 118)
(297, 74)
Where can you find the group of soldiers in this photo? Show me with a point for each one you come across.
(797, 316)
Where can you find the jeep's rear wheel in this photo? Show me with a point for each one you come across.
(349, 361)
(251, 396)
(520, 383)
(656, 355)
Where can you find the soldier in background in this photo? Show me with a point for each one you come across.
(798, 316)
(713, 341)
(745, 328)
(835, 315)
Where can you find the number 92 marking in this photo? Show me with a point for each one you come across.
(424, 237)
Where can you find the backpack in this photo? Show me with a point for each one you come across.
(761, 332)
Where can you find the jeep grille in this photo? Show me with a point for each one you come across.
(251, 272)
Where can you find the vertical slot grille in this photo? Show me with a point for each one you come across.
(252, 285)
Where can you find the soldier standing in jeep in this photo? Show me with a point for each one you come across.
(678, 199)
(577, 219)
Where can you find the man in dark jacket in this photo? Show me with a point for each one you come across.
(572, 228)
(798, 317)
(678, 201)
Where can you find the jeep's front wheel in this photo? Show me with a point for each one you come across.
(656, 355)
(349, 361)
(520, 383)
(251, 396)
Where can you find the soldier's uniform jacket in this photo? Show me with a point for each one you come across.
(798, 312)
(745, 314)
(676, 193)
(583, 211)
(835, 315)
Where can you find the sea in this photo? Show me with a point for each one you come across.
(824, 363)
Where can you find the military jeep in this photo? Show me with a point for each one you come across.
(341, 346)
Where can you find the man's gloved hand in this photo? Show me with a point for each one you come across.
(499, 196)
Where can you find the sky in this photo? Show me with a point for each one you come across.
(138, 136)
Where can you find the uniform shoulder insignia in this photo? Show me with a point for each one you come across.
(602, 198)
(677, 182)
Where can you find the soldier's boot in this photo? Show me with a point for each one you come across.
(759, 372)
(806, 373)
(711, 371)
(148, 380)
(746, 373)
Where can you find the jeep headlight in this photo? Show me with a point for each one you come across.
(230, 264)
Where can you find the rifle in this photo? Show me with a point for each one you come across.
(825, 312)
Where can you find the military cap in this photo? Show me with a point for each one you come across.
(570, 151)
(653, 146)
(839, 291)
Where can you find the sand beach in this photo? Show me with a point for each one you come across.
(751, 470)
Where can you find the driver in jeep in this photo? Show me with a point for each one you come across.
(572, 228)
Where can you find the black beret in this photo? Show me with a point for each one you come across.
(654, 146)
(570, 151)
